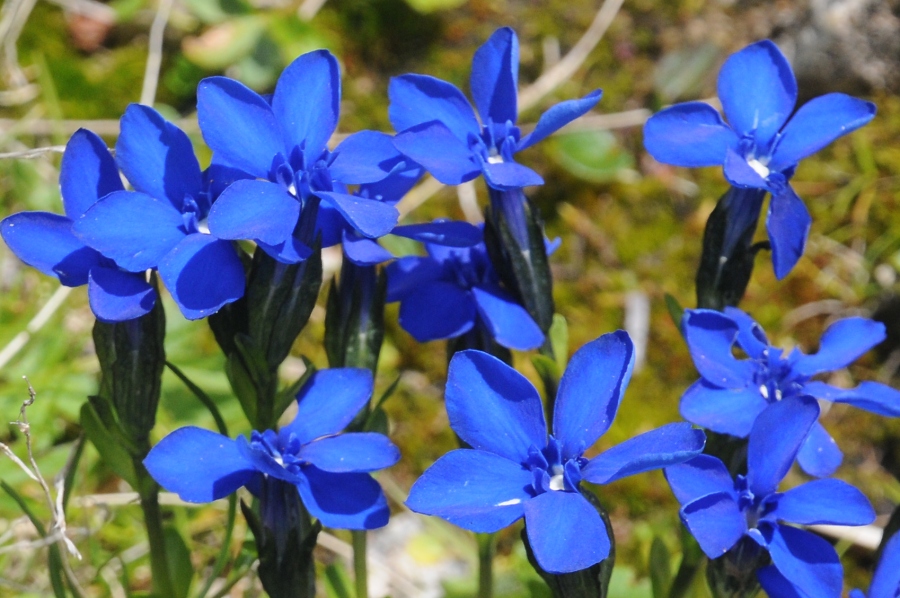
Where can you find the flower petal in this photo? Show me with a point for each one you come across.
(157, 157)
(776, 584)
(418, 99)
(359, 451)
(238, 125)
(507, 321)
(510, 175)
(819, 456)
(887, 575)
(495, 77)
(369, 217)
(493, 407)
(807, 561)
(45, 241)
(751, 337)
(559, 116)
(256, 210)
(307, 101)
(198, 465)
(739, 173)
(590, 391)
(363, 251)
(202, 273)
(842, 343)
(710, 336)
(701, 476)
(871, 396)
(758, 90)
(690, 134)
(131, 228)
(663, 447)
(435, 147)
(722, 410)
(452, 233)
(116, 295)
(827, 501)
(409, 273)
(343, 500)
(475, 490)
(437, 310)
(291, 251)
(775, 439)
(565, 532)
(329, 401)
(788, 223)
(364, 157)
(716, 521)
(816, 124)
(87, 173)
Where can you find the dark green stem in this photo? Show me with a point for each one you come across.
(159, 565)
(359, 563)
(486, 548)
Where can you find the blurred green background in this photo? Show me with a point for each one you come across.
(630, 227)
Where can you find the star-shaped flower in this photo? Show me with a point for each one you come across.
(515, 470)
(300, 187)
(439, 129)
(762, 142)
(47, 241)
(329, 469)
(162, 223)
(719, 510)
(732, 392)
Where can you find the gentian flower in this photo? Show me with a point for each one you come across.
(439, 129)
(886, 581)
(762, 142)
(732, 393)
(515, 470)
(454, 289)
(283, 146)
(162, 223)
(329, 469)
(47, 242)
(719, 510)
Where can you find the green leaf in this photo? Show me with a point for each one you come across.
(116, 457)
(660, 568)
(683, 73)
(549, 372)
(377, 422)
(202, 397)
(181, 571)
(426, 6)
(289, 394)
(675, 310)
(224, 44)
(594, 156)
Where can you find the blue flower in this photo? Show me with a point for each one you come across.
(439, 129)
(300, 186)
(719, 510)
(454, 289)
(47, 241)
(732, 393)
(886, 581)
(162, 223)
(515, 470)
(329, 469)
(762, 144)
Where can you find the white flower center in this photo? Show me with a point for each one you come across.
(498, 159)
(760, 168)
(557, 482)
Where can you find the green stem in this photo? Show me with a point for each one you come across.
(486, 546)
(359, 563)
(159, 565)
